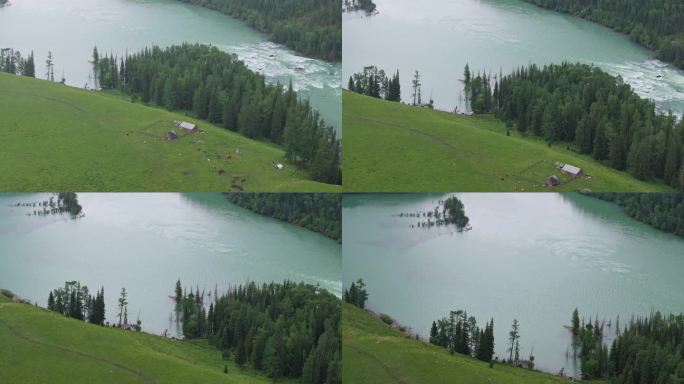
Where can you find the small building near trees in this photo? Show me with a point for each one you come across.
(553, 181)
(188, 127)
(572, 170)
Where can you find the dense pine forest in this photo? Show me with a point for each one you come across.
(648, 349)
(655, 24)
(217, 87)
(310, 27)
(318, 212)
(664, 211)
(590, 111)
(286, 330)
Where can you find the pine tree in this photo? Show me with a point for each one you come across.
(49, 67)
(123, 302)
(575, 323)
(51, 302)
(513, 337)
(416, 88)
(433, 334)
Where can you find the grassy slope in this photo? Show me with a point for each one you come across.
(375, 353)
(54, 137)
(394, 147)
(39, 346)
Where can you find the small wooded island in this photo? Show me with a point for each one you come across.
(447, 212)
(367, 6)
(65, 202)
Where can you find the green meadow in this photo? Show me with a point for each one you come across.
(394, 147)
(374, 352)
(40, 346)
(54, 137)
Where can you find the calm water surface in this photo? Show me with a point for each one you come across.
(531, 257)
(145, 242)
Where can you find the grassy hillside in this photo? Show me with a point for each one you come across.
(39, 346)
(54, 137)
(375, 353)
(394, 147)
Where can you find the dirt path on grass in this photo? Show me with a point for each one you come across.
(52, 99)
(379, 362)
(465, 154)
(434, 137)
(140, 375)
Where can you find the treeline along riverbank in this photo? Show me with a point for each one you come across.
(655, 24)
(310, 27)
(664, 211)
(318, 212)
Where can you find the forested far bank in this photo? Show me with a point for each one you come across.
(310, 27)
(655, 24)
(285, 330)
(318, 212)
(664, 211)
(216, 86)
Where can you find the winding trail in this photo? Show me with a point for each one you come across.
(133, 372)
(52, 99)
(379, 362)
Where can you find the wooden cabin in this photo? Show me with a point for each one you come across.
(188, 127)
(553, 181)
(572, 170)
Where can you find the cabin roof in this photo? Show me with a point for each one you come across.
(188, 126)
(571, 169)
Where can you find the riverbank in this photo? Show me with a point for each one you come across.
(496, 37)
(316, 33)
(376, 352)
(320, 213)
(565, 249)
(395, 147)
(118, 27)
(664, 212)
(119, 146)
(645, 31)
(74, 352)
